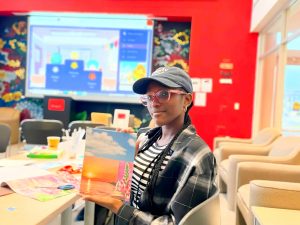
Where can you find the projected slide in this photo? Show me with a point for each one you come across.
(91, 59)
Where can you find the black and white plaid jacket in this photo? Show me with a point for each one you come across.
(187, 180)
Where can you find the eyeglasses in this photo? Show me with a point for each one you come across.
(161, 96)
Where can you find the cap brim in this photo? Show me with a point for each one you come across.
(141, 85)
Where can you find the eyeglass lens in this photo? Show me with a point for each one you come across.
(161, 96)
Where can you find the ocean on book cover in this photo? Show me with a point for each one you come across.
(108, 163)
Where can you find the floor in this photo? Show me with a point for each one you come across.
(227, 216)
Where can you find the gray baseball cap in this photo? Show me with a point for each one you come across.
(172, 77)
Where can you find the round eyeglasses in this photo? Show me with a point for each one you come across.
(161, 96)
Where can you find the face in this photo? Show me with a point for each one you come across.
(170, 111)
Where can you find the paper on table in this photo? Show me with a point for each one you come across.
(20, 172)
(14, 162)
(44, 188)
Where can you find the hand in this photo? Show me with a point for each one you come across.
(108, 202)
(126, 130)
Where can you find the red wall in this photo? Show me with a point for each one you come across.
(220, 30)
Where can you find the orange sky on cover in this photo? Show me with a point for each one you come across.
(106, 169)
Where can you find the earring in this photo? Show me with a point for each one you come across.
(185, 108)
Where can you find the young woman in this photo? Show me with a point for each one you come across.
(174, 169)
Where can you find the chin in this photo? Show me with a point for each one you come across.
(159, 123)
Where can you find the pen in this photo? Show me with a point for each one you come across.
(61, 187)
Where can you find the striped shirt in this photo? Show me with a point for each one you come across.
(140, 177)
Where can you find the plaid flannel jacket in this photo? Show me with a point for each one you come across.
(186, 181)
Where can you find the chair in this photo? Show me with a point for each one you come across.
(107, 128)
(11, 117)
(102, 118)
(206, 213)
(267, 185)
(82, 124)
(35, 131)
(263, 137)
(284, 150)
(224, 147)
(4, 137)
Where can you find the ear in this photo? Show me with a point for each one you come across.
(188, 98)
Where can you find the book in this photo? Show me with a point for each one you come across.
(37, 183)
(43, 152)
(108, 163)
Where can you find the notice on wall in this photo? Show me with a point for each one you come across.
(225, 81)
(196, 82)
(206, 85)
(200, 99)
(201, 87)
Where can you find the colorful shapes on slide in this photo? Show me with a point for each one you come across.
(56, 58)
(139, 72)
(55, 69)
(92, 65)
(74, 55)
(74, 65)
(92, 76)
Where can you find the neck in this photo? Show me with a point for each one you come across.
(169, 131)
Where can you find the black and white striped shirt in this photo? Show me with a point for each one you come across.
(140, 176)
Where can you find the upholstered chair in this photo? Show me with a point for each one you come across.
(263, 137)
(36, 131)
(284, 150)
(268, 185)
(82, 124)
(224, 147)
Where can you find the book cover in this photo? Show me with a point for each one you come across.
(108, 163)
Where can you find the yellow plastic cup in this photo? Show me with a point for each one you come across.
(53, 142)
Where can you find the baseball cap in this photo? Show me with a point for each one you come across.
(172, 77)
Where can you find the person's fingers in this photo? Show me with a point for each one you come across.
(85, 197)
(125, 130)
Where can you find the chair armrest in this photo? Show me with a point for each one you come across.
(248, 171)
(225, 151)
(275, 194)
(218, 140)
(234, 160)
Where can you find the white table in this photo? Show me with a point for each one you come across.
(275, 216)
(18, 209)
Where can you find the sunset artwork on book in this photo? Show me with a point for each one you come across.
(108, 163)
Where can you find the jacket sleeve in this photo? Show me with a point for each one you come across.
(195, 190)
